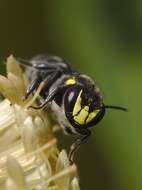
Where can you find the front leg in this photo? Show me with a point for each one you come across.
(47, 82)
(34, 84)
(85, 134)
(49, 98)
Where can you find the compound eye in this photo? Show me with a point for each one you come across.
(70, 99)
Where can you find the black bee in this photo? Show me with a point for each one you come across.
(73, 97)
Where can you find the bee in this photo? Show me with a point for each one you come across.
(74, 98)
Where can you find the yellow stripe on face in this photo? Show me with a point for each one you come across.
(80, 118)
(92, 115)
(70, 82)
(77, 106)
(80, 114)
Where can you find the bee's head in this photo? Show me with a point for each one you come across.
(84, 106)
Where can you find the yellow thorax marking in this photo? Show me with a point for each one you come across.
(70, 81)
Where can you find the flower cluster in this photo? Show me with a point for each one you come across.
(29, 157)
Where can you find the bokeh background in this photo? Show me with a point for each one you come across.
(102, 38)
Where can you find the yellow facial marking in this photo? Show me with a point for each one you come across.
(77, 106)
(70, 82)
(92, 115)
(80, 118)
(80, 114)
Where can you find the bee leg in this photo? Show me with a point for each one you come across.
(49, 98)
(47, 82)
(54, 76)
(76, 145)
(44, 103)
(38, 84)
(32, 87)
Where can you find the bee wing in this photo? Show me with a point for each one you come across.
(24, 62)
(46, 62)
(33, 64)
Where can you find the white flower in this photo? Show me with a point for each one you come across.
(29, 157)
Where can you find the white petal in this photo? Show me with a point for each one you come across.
(75, 184)
(7, 89)
(13, 67)
(18, 83)
(28, 135)
(16, 173)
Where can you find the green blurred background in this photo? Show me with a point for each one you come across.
(102, 38)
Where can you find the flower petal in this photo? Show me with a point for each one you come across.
(16, 173)
(62, 163)
(75, 184)
(13, 67)
(7, 89)
(18, 83)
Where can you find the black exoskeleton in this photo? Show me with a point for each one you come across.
(72, 96)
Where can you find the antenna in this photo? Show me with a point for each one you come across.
(115, 107)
